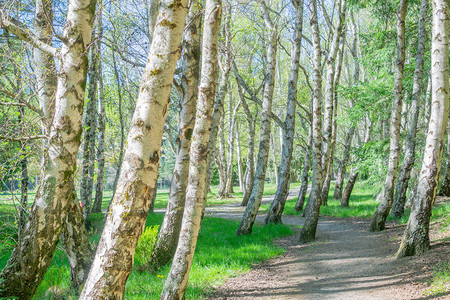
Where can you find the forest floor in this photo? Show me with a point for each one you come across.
(345, 262)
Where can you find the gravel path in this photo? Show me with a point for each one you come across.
(345, 262)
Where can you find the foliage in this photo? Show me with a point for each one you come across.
(440, 283)
(145, 244)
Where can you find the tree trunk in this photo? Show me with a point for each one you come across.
(408, 161)
(122, 129)
(329, 93)
(336, 79)
(416, 236)
(176, 282)
(343, 164)
(274, 158)
(74, 239)
(387, 196)
(277, 206)
(169, 232)
(245, 227)
(348, 189)
(23, 178)
(445, 187)
(249, 171)
(33, 255)
(307, 165)
(308, 231)
(239, 160)
(89, 125)
(125, 221)
(221, 161)
(101, 126)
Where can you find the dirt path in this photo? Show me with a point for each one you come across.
(345, 262)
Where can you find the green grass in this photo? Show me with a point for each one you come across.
(361, 204)
(219, 255)
(440, 283)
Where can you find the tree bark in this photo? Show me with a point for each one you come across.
(239, 159)
(245, 227)
(445, 187)
(33, 255)
(343, 164)
(379, 219)
(416, 236)
(336, 79)
(231, 139)
(101, 119)
(221, 161)
(308, 231)
(307, 165)
(408, 161)
(176, 282)
(169, 232)
(277, 206)
(329, 93)
(125, 221)
(348, 189)
(89, 125)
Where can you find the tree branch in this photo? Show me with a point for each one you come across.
(22, 138)
(25, 34)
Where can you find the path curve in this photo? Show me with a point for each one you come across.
(345, 262)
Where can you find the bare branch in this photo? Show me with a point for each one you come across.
(22, 138)
(22, 32)
(22, 102)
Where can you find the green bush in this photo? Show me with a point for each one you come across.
(145, 244)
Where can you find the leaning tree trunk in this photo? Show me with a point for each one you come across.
(329, 93)
(176, 283)
(307, 165)
(336, 79)
(416, 236)
(277, 206)
(89, 125)
(169, 232)
(408, 161)
(246, 225)
(113, 260)
(379, 219)
(348, 189)
(33, 255)
(308, 231)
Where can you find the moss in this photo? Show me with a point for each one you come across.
(166, 23)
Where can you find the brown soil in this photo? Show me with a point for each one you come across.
(345, 262)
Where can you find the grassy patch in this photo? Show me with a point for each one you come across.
(361, 204)
(440, 283)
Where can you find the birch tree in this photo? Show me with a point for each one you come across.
(246, 225)
(33, 255)
(408, 161)
(170, 229)
(277, 206)
(416, 239)
(125, 221)
(308, 231)
(176, 283)
(379, 219)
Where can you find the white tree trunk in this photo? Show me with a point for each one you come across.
(277, 206)
(33, 255)
(246, 225)
(175, 286)
(170, 229)
(125, 222)
(416, 236)
(379, 219)
(308, 231)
